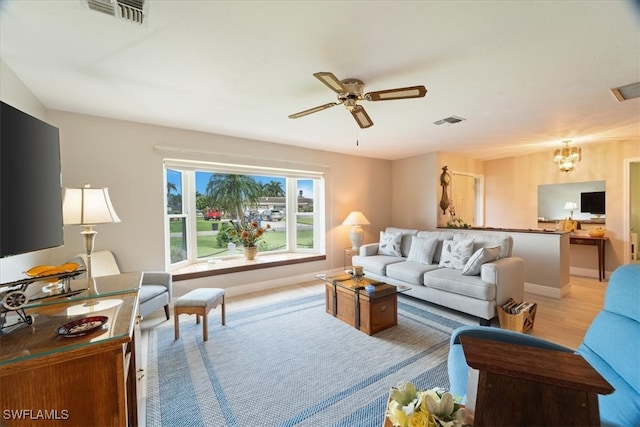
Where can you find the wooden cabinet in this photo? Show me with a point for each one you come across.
(89, 380)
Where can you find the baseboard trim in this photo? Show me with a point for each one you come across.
(547, 291)
(586, 272)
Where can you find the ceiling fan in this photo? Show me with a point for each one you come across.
(350, 92)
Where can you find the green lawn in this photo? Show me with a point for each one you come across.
(208, 245)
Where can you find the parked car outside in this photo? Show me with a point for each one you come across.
(212, 214)
(276, 215)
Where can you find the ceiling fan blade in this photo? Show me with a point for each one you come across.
(331, 81)
(361, 116)
(399, 93)
(313, 110)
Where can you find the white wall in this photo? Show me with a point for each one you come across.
(120, 155)
(414, 197)
(512, 188)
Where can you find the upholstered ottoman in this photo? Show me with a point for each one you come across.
(199, 302)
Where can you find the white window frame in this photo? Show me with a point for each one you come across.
(188, 169)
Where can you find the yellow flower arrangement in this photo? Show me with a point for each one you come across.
(409, 407)
(248, 234)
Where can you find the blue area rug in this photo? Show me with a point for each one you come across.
(292, 364)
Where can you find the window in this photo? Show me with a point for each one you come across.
(205, 199)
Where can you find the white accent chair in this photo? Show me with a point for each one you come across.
(156, 288)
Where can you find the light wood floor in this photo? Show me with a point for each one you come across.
(563, 321)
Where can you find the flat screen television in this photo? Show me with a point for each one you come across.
(592, 202)
(30, 184)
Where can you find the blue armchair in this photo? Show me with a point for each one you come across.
(610, 345)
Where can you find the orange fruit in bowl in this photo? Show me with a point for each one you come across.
(598, 232)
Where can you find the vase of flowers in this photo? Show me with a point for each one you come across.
(249, 234)
(454, 221)
(250, 252)
(409, 407)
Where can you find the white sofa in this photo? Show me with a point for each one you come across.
(474, 284)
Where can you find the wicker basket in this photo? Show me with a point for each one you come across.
(520, 322)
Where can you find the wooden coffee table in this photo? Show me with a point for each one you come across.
(348, 300)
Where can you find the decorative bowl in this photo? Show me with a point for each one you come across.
(598, 232)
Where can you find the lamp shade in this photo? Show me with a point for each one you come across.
(356, 218)
(87, 206)
(571, 205)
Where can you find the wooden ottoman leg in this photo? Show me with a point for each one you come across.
(205, 325)
(223, 319)
(176, 324)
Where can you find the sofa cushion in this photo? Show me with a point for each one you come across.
(376, 264)
(441, 236)
(410, 272)
(150, 291)
(390, 244)
(407, 234)
(481, 256)
(456, 253)
(451, 280)
(487, 240)
(422, 250)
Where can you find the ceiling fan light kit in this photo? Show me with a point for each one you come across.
(350, 91)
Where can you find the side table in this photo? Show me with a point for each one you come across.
(528, 386)
(599, 242)
(348, 255)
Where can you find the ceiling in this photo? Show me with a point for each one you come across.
(524, 75)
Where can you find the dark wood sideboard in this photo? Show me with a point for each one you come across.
(89, 380)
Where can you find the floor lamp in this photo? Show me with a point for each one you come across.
(87, 207)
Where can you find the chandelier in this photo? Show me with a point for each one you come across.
(567, 157)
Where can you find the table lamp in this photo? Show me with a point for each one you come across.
(570, 206)
(87, 207)
(356, 219)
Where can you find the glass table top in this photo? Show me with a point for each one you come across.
(361, 285)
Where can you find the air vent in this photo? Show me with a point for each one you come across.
(624, 93)
(451, 120)
(129, 10)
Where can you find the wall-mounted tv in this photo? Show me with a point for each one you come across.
(593, 202)
(30, 183)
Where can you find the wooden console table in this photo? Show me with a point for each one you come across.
(528, 386)
(88, 380)
(593, 241)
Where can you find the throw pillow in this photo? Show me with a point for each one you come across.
(481, 256)
(422, 250)
(455, 254)
(390, 244)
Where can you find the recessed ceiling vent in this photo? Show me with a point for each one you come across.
(129, 10)
(624, 93)
(450, 120)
